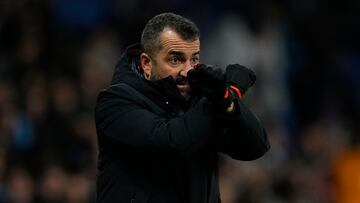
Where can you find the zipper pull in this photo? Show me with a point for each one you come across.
(132, 200)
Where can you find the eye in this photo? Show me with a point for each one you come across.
(174, 60)
(194, 60)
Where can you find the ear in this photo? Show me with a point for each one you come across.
(146, 64)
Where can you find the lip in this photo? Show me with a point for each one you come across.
(184, 85)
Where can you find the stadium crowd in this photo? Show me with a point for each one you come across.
(56, 55)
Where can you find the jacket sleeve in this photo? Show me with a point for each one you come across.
(122, 120)
(245, 138)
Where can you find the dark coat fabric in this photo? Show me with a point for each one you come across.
(155, 147)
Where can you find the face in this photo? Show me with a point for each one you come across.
(175, 58)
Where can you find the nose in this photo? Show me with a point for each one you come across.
(187, 66)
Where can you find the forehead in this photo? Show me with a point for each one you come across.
(171, 41)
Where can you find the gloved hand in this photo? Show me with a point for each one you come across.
(240, 77)
(211, 82)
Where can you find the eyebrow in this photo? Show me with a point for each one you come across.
(179, 53)
(196, 53)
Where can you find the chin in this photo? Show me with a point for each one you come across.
(185, 94)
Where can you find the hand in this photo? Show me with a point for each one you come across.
(240, 77)
(211, 82)
(208, 80)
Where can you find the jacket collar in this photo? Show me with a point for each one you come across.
(128, 71)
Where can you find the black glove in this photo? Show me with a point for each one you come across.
(211, 82)
(240, 77)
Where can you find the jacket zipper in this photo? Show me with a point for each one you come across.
(132, 200)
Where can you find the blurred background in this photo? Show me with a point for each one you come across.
(56, 55)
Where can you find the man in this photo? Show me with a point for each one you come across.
(165, 118)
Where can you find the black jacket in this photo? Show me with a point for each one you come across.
(156, 147)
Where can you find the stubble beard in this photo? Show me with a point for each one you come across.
(184, 89)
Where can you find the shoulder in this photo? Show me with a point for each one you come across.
(121, 90)
(120, 93)
(125, 95)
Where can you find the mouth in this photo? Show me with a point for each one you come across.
(183, 85)
(184, 89)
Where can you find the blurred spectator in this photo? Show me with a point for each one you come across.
(3, 197)
(96, 67)
(346, 176)
(52, 185)
(6, 114)
(20, 186)
(80, 189)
